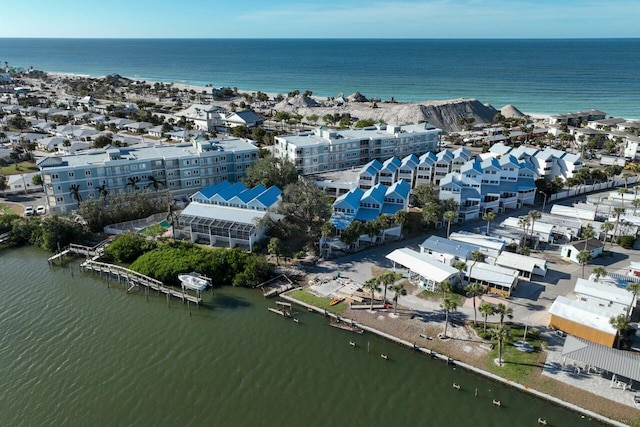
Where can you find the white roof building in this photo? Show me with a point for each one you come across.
(603, 294)
(424, 271)
(584, 320)
(527, 266)
(496, 279)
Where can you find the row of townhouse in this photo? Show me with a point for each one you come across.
(426, 169)
(325, 149)
(179, 168)
(547, 163)
(490, 185)
(368, 205)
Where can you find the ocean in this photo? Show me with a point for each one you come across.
(542, 76)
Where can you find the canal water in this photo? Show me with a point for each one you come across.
(76, 352)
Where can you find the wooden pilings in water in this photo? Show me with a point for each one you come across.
(133, 279)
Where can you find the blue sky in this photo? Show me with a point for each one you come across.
(321, 18)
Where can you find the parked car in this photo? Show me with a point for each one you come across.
(28, 210)
(40, 210)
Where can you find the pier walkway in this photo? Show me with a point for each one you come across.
(130, 278)
(133, 279)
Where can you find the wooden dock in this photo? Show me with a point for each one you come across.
(134, 279)
(88, 251)
(276, 286)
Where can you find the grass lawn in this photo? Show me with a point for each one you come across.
(23, 167)
(518, 365)
(11, 208)
(320, 302)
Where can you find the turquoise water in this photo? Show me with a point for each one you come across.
(538, 76)
(76, 352)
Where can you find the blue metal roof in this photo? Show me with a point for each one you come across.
(452, 247)
(234, 190)
(374, 195)
(209, 191)
(367, 214)
(400, 189)
(251, 193)
(350, 199)
(270, 196)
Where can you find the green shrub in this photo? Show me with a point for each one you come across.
(128, 246)
(627, 241)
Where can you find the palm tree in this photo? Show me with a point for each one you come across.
(398, 290)
(445, 286)
(583, 258)
(372, 286)
(400, 218)
(155, 183)
(102, 191)
(371, 229)
(386, 279)
(460, 266)
(474, 290)
(523, 222)
(476, 256)
(3, 185)
(504, 311)
(489, 217)
(587, 233)
(133, 182)
(620, 323)
(622, 192)
(448, 304)
(599, 272)
(606, 227)
(74, 190)
(486, 309)
(383, 222)
(534, 216)
(634, 288)
(449, 216)
(617, 211)
(499, 334)
(635, 203)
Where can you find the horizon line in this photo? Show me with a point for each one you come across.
(320, 38)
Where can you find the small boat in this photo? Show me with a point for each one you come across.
(194, 282)
(337, 300)
(346, 327)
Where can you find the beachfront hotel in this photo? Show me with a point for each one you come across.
(180, 168)
(324, 149)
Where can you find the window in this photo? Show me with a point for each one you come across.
(87, 173)
(71, 174)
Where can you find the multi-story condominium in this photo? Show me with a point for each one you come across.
(324, 149)
(181, 169)
(547, 163)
